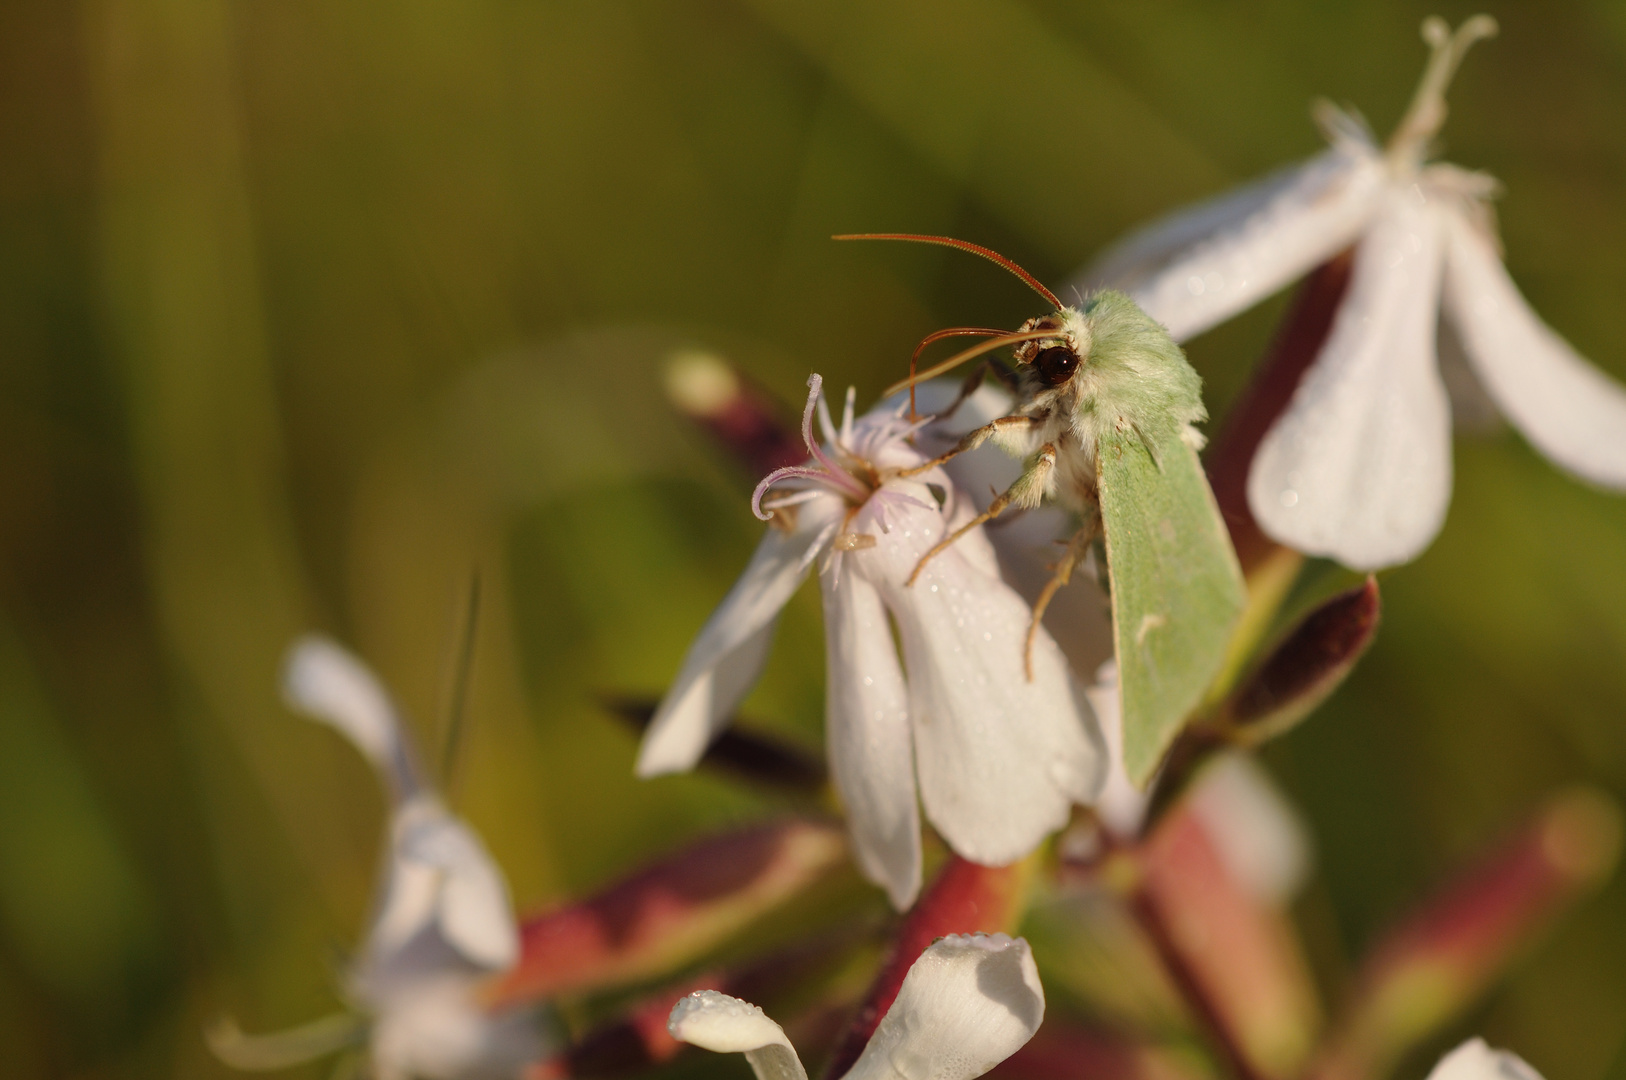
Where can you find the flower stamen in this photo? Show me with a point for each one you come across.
(1427, 112)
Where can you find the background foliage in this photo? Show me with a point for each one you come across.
(311, 310)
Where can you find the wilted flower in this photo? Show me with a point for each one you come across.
(443, 923)
(969, 1002)
(1359, 466)
(999, 758)
(1474, 1060)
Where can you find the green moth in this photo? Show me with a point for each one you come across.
(1103, 420)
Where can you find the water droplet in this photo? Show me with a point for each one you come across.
(1290, 498)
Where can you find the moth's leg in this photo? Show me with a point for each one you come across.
(1026, 492)
(973, 383)
(1062, 573)
(1004, 427)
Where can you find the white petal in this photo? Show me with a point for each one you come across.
(1139, 255)
(1121, 806)
(1256, 832)
(872, 758)
(1570, 411)
(1359, 466)
(715, 1021)
(968, 1003)
(1266, 237)
(442, 872)
(1000, 759)
(1473, 1060)
(1078, 616)
(324, 681)
(726, 658)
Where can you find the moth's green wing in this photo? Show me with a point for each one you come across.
(1177, 591)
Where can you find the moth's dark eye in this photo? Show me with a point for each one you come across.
(1056, 364)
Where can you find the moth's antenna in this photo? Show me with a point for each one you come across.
(959, 358)
(461, 672)
(939, 335)
(962, 245)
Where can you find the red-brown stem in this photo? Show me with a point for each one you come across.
(1143, 904)
(966, 898)
(1439, 960)
(1298, 340)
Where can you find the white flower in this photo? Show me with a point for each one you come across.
(999, 758)
(968, 1003)
(443, 924)
(1359, 466)
(1473, 1060)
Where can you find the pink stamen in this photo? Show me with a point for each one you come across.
(828, 471)
(815, 383)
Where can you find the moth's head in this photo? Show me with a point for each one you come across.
(1054, 361)
(1053, 358)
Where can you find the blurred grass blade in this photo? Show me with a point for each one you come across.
(284, 1049)
(750, 756)
(965, 898)
(669, 913)
(1235, 955)
(1304, 668)
(1438, 961)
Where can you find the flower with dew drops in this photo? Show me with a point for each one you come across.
(999, 759)
(443, 923)
(969, 1002)
(1358, 467)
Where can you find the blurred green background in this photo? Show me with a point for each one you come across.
(312, 309)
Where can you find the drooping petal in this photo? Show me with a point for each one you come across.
(1359, 466)
(726, 658)
(1474, 1060)
(440, 871)
(326, 682)
(714, 1021)
(872, 755)
(1264, 238)
(1000, 758)
(1568, 409)
(968, 1003)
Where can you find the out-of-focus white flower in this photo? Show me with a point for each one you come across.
(1358, 468)
(443, 923)
(1256, 831)
(1474, 1060)
(968, 1003)
(999, 758)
